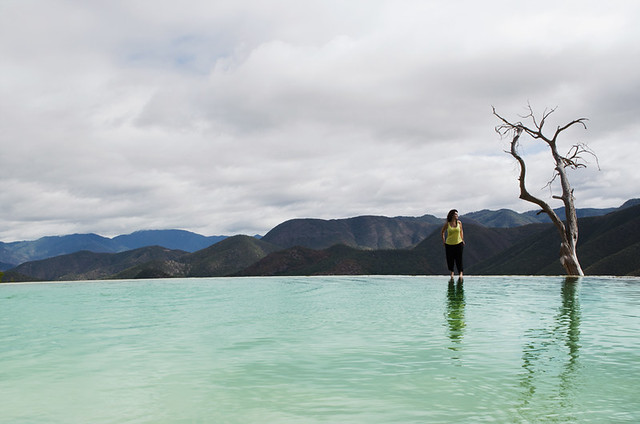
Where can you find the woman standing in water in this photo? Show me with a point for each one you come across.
(453, 241)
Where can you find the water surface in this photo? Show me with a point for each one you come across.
(321, 350)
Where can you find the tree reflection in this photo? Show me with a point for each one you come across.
(552, 354)
(569, 324)
(455, 313)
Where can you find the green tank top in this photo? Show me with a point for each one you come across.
(453, 234)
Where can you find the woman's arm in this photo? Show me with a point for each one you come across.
(444, 229)
(461, 232)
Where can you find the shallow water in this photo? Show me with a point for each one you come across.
(321, 350)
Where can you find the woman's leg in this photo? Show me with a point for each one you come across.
(458, 258)
(450, 252)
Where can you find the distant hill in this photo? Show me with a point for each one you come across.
(340, 260)
(377, 232)
(12, 254)
(586, 212)
(4, 265)
(46, 247)
(506, 218)
(85, 265)
(427, 258)
(221, 259)
(607, 245)
(363, 232)
(224, 258)
(171, 239)
(228, 256)
(502, 218)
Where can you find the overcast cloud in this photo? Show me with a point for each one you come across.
(232, 116)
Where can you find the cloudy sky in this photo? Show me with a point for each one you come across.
(231, 116)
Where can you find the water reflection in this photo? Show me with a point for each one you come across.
(455, 313)
(551, 354)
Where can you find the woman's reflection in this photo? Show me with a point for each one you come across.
(455, 313)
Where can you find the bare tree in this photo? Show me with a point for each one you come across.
(572, 160)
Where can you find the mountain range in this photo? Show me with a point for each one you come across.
(608, 245)
(497, 242)
(363, 232)
(223, 258)
(15, 253)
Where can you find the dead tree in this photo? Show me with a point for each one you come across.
(573, 160)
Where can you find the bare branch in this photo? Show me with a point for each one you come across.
(530, 115)
(524, 193)
(574, 158)
(550, 182)
(545, 115)
(507, 127)
(577, 121)
(580, 121)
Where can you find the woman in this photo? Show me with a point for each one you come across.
(454, 241)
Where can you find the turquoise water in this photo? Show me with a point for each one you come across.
(321, 350)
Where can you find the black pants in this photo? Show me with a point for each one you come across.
(454, 255)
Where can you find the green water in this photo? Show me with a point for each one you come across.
(321, 350)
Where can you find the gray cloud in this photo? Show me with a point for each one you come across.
(229, 117)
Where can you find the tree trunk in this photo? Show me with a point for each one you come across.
(569, 260)
(569, 231)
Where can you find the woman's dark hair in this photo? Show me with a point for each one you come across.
(450, 214)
